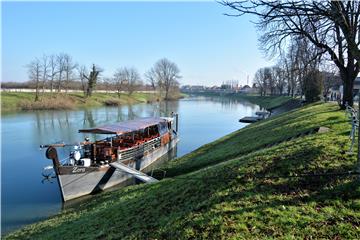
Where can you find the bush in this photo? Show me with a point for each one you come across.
(313, 82)
(112, 102)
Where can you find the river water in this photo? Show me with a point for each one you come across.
(26, 197)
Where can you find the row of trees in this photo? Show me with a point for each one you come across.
(59, 72)
(295, 70)
(331, 28)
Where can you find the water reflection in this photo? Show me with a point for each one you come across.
(51, 122)
(25, 199)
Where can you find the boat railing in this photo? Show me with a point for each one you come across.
(139, 150)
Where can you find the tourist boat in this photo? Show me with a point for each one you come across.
(132, 146)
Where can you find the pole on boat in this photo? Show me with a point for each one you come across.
(177, 122)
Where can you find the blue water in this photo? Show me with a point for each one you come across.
(26, 198)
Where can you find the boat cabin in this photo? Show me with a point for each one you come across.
(131, 140)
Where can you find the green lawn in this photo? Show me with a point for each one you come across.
(231, 189)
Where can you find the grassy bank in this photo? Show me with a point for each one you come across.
(268, 102)
(246, 185)
(18, 101)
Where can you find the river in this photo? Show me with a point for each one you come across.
(26, 197)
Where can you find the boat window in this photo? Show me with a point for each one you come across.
(162, 128)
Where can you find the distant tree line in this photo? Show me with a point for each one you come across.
(301, 71)
(60, 73)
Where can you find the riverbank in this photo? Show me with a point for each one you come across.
(24, 101)
(267, 102)
(274, 178)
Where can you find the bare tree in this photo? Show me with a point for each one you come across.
(331, 26)
(127, 78)
(69, 67)
(60, 63)
(289, 62)
(151, 77)
(118, 81)
(167, 75)
(45, 71)
(53, 71)
(34, 71)
(270, 80)
(279, 78)
(260, 81)
(81, 70)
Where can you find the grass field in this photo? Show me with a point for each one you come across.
(20, 101)
(238, 187)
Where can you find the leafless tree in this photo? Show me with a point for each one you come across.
(128, 78)
(34, 71)
(270, 80)
(81, 70)
(151, 77)
(69, 67)
(279, 78)
(167, 75)
(53, 71)
(260, 81)
(60, 63)
(45, 71)
(118, 80)
(331, 26)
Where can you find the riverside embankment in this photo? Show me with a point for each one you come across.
(24, 101)
(275, 178)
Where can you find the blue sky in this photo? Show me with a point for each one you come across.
(207, 46)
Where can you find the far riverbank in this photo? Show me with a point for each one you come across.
(24, 101)
(267, 102)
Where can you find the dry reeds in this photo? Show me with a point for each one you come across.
(55, 103)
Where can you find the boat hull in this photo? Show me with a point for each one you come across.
(78, 181)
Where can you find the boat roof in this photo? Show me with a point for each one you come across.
(125, 127)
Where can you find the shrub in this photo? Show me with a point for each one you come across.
(313, 82)
(112, 102)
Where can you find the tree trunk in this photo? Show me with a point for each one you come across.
(348, 76)
(358, 154)
(51, 85)
(37, 91)
(166, 94)
(347, 94)
(59, 83)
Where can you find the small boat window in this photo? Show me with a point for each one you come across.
(163, 128)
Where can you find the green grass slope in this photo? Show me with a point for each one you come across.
(241, 189)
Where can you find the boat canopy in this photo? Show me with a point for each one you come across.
(125, 127)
